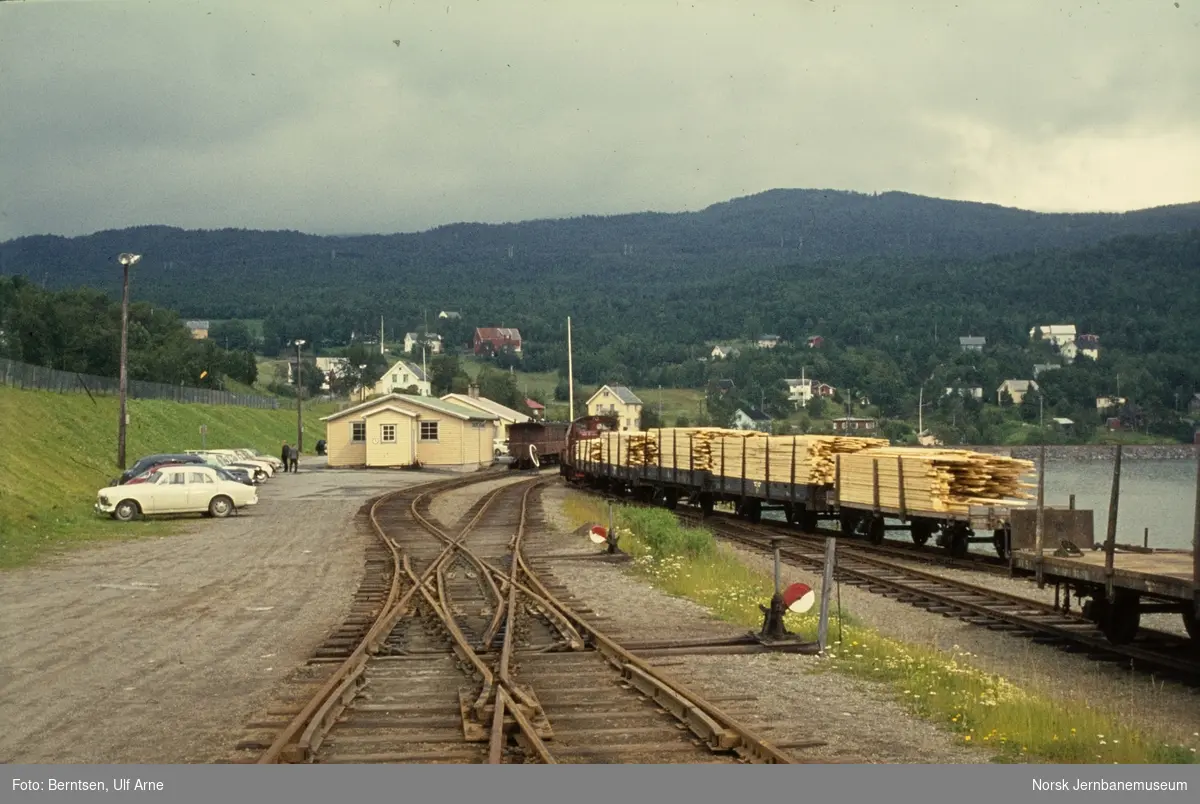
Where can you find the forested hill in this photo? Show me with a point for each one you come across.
(779, 227)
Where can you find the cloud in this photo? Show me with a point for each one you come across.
(309, 116)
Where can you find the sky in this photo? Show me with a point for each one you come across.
(343, 116)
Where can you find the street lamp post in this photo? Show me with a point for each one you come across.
(362, 382)
(299, 398)
(126, 261)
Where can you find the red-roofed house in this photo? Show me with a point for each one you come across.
(491, 340)
(537, 409)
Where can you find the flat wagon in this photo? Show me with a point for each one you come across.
(803, 504)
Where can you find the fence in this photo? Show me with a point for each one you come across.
(23, 375)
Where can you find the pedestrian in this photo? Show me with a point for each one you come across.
(295, 459)
(287, 453)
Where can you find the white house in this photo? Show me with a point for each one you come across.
(402, 375)
(752, 419)
(768, 341)
(432, 341)
(966, 391)
(1109, 402)
(802, 391)
(1060, 336)
(723, 352)
(1089, 346)
(1015, 389)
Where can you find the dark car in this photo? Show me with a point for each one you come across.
(152, 461)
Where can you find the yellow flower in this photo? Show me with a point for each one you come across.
(967, 738)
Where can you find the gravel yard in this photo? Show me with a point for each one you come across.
(448, 509)
(158, 650)
(858, 720)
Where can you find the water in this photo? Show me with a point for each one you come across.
(1160, 495)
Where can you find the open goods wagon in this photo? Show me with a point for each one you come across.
(535, 444)
(861, 483)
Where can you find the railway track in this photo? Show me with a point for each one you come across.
(857, 565)
(465, 654)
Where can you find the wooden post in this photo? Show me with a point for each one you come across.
(1040, 530)
(743, 470)
(1146, 538)
(1110, 542)
(900, 482)
(1072, 503)
(768, 469)
(658, 449)
(875, 482)
(826, 590)
(792, 492)
(837, 479)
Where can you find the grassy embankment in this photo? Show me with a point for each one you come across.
(980, 709)
(60, 449)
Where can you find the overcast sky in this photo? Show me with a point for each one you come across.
(346, 116)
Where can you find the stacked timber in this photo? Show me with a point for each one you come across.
(938, 481)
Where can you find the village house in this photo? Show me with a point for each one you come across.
(768, 341)
(723, 352)
(1060, 336)
(752, 419)
(802, 391)
(504, 415)
(619, 401)
(432, 342)
(966, 391)
(1109, 402)
(1089, 346)
(852, 424)
(816, 342)
(537, 411)
(1016, 390)
(725, 386)
(199, 329)
(1040, 368)
(402, 376)
(449, 315)
(493, 340)
(972, 343)
(400, 430)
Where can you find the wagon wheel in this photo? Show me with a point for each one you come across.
(922, 531)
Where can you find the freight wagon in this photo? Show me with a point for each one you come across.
(535, 444)
(803, 504)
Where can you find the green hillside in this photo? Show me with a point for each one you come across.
(60, 449)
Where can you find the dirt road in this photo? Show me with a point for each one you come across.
(156, 651)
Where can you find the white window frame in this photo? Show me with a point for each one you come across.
(384, 436)
(354, 439)
(426, 426)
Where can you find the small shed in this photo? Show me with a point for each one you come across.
(851, 424)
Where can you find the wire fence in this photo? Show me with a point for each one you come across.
(24, 375)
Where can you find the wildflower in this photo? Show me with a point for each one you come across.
(967, 739)
(1102, 742)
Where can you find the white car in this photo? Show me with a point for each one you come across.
(261, 470)
(255, 455)
(176, 489)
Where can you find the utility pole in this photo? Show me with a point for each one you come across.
(299, 397)
(570, 371)
(126, 261)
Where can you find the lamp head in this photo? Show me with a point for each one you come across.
(128, 259)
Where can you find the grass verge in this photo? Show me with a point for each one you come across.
(59, 449)
(980, 708)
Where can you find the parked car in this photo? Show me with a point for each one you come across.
(260, 470)
(235, 474)
(176, 489)
(143, 465)
(255, 455)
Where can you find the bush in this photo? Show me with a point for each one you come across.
(662, 534)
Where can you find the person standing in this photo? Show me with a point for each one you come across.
(285, 455)
(294, 454)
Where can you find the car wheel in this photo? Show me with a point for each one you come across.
(220, 507)
(126, 511)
